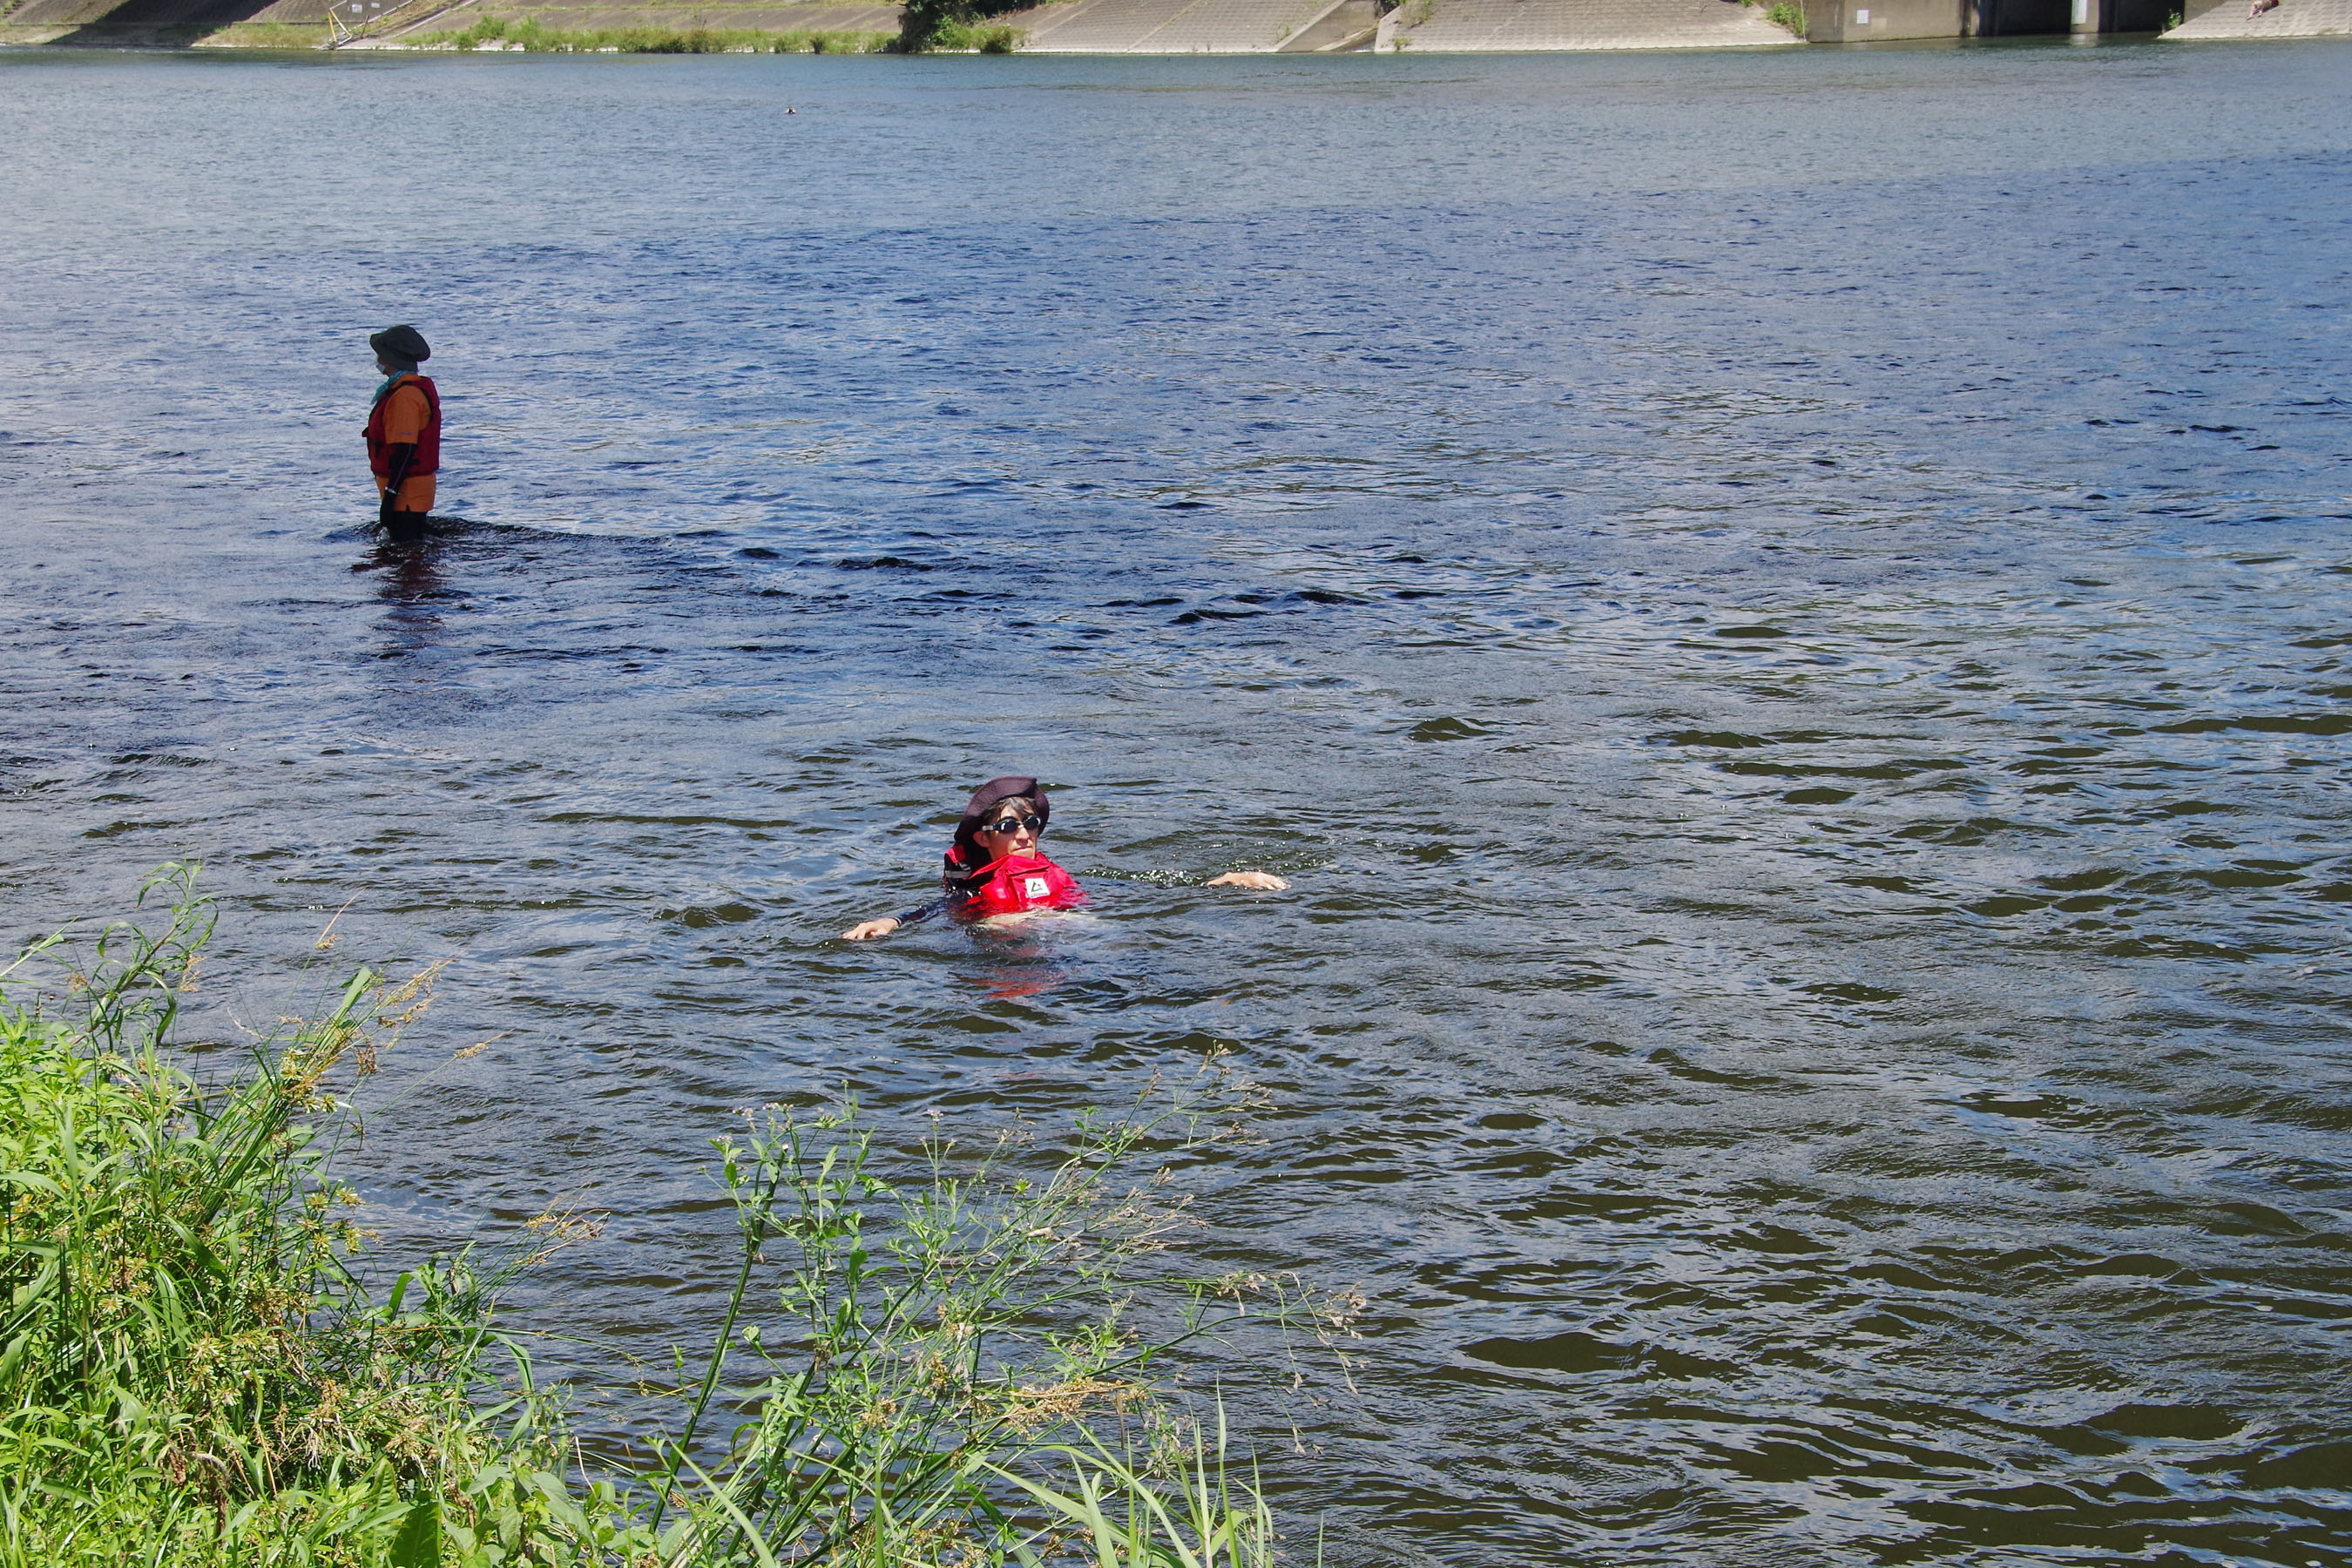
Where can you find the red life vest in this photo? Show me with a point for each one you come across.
(428, 440)
(1017, 886)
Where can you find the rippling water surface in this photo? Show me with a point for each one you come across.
(1786, 615)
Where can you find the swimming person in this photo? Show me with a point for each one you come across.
(403, 434)
(994, 866)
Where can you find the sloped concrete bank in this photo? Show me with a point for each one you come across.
(1196, 26)
(1465, 27)
(160, 24)
(2220, 19)
(776, 19)
(396, 24)
(1064, 27)
(1176, 27)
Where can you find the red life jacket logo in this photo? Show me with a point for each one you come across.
(1035, 888)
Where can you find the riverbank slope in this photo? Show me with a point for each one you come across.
(1125, 27)
(2220, 19)
(1067, 27)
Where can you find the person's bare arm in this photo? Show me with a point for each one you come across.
(1263, 881)
(866, 931)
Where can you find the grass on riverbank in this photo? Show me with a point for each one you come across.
(924, 1366)
(266, 35)
(531, 37)
(1786, 14)
(975, 37)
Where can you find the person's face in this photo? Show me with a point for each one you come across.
(385, 365)
(1004, 829)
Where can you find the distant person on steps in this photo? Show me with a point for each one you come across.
(403, 434)
(994, 866)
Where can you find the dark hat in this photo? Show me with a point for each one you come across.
(967, 848)
(401, 343)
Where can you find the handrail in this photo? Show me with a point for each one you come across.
(400, 17)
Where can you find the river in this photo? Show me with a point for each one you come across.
(1784, 613)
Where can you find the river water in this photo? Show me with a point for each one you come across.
(1785, 615)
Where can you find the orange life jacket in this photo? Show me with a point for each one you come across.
(1014, 887)
(428, 440)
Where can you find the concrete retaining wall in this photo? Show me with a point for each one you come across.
(1886, 21)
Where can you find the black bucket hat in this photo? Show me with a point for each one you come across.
(401, 343)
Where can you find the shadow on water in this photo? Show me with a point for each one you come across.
(1020, 959)
(414, 587)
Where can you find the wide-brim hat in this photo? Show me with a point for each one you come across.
(987, 795)
(404, 342)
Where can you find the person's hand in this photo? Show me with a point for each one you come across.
(1263, 881)
(866, 930)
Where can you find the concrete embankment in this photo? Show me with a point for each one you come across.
(1068, 27)
(161, 22)
(394, 24)
(1196, 26)
(581, 16)
(1173, 27)
(1463, 27)
(2289, 19)
(1311, 27)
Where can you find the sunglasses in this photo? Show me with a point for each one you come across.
(1015, 824)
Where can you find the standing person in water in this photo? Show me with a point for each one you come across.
(994, 866)
(403, 434)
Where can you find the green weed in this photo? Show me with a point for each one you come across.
(266, 36)
(182, 1352)
(979, 38)
(925, 26)
(531, 35)
(941, 1359)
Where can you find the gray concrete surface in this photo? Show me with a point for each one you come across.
(1216, 27)
(139, 21)
(1457, 27)
(593, 16)
(1884, 21)
(1171, 26)
(2291, 19)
